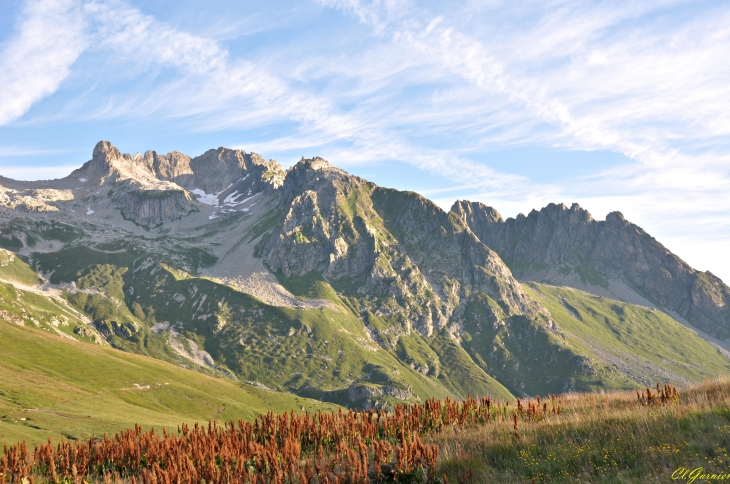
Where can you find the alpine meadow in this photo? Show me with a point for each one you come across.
(271, 290)
(492, 249)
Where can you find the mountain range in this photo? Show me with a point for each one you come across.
(317, 283)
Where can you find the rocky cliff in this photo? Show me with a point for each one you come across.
(320, 283)
(399, 247)
(149, 189)
(564, 239)
(153, 207)
(210, 172)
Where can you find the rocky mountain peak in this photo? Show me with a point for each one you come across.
(402, 250)
(104, 156)
(557, 241)
(615, 217)
(560, 211)
(469, 210)
(211, 172)
(155, 188)
(315, 163)
(105, 150)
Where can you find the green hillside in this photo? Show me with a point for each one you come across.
(316, 353)
(13, 268)
(382, 296)
(636, 345)
(138, 302)
(52, 387)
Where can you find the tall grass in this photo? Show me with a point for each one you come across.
(604, 437)
(616, 437)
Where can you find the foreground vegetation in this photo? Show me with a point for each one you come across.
(618, 437)
(606, 438)
(356, 446)
(60, 388)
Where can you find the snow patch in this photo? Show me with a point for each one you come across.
(212, 198)
(83, 180)
(89, 211)
(208, 199)
(229, 199)
(235, 204)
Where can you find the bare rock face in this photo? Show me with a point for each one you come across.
(214, 170)
(101, 163)
(409, 259)
(358, 393)
(558, 236)
(152, 189)
(173, 167)
(154, 207)
(211, 172)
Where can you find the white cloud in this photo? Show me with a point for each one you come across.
(35, 62)
(634, 78)
(142, 39)
(602, 75)
(436, 89)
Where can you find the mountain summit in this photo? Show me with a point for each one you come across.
(316, 282)
(613, 254)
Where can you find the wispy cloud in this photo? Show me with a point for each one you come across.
(439, 89)
(235, 93)
(35, 62)
(641, 79)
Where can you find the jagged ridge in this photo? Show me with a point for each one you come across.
(390, 297)
(561, 237)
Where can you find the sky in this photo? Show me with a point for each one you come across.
(616, 105)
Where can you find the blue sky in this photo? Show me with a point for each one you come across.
(616, 105)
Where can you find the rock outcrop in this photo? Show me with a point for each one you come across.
(211, 172)
(152, 189)
(419, 262)
(407, 301)
(154, 207)
(569, 238)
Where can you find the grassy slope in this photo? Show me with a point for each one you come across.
(457, 372)
(48, 313)
(646, 341)
(78, 390)
(522, 355)
(315, 353)
(13, 268)
(607, 438)
(319, 353)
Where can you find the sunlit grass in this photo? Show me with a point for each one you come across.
(598, 438)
